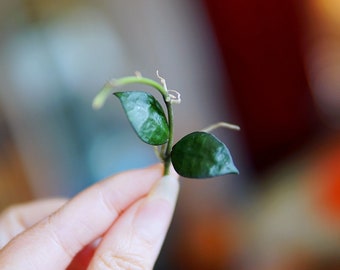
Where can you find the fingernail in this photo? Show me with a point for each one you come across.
(155, 214)
(166, 188)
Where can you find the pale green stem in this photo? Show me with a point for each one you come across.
(101, 97)
(167, 160)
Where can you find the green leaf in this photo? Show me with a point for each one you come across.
(146, 116)
(201, 155)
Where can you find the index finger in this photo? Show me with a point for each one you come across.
(53, 242)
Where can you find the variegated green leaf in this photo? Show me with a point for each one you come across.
(146, 116)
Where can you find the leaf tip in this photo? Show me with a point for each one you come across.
(117, 94)
(233, 169)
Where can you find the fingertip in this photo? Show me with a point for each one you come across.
(152, 172)
(159, 167)
(166, 188)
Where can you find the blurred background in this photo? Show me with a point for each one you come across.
(270, 66)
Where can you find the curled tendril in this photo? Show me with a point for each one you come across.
(174, 97)
(163, 82)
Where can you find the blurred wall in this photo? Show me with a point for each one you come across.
(56, 56)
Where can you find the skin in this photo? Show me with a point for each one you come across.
(118, 223)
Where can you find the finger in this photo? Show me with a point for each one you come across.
(135, 240)
(53, 242)
(18, 218)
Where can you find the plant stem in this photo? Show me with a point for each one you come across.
(167, 159)
(101, 97)
(221, 124)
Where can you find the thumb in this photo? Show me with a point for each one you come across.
(134, 241)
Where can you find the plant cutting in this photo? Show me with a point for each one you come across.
(199, 154)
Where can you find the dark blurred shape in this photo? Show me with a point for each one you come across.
(14, 187)
(261, 47)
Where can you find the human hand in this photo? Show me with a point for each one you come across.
(118, 223)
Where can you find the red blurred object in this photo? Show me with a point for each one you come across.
(260, 45)
(82, 260)
(326, 173)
